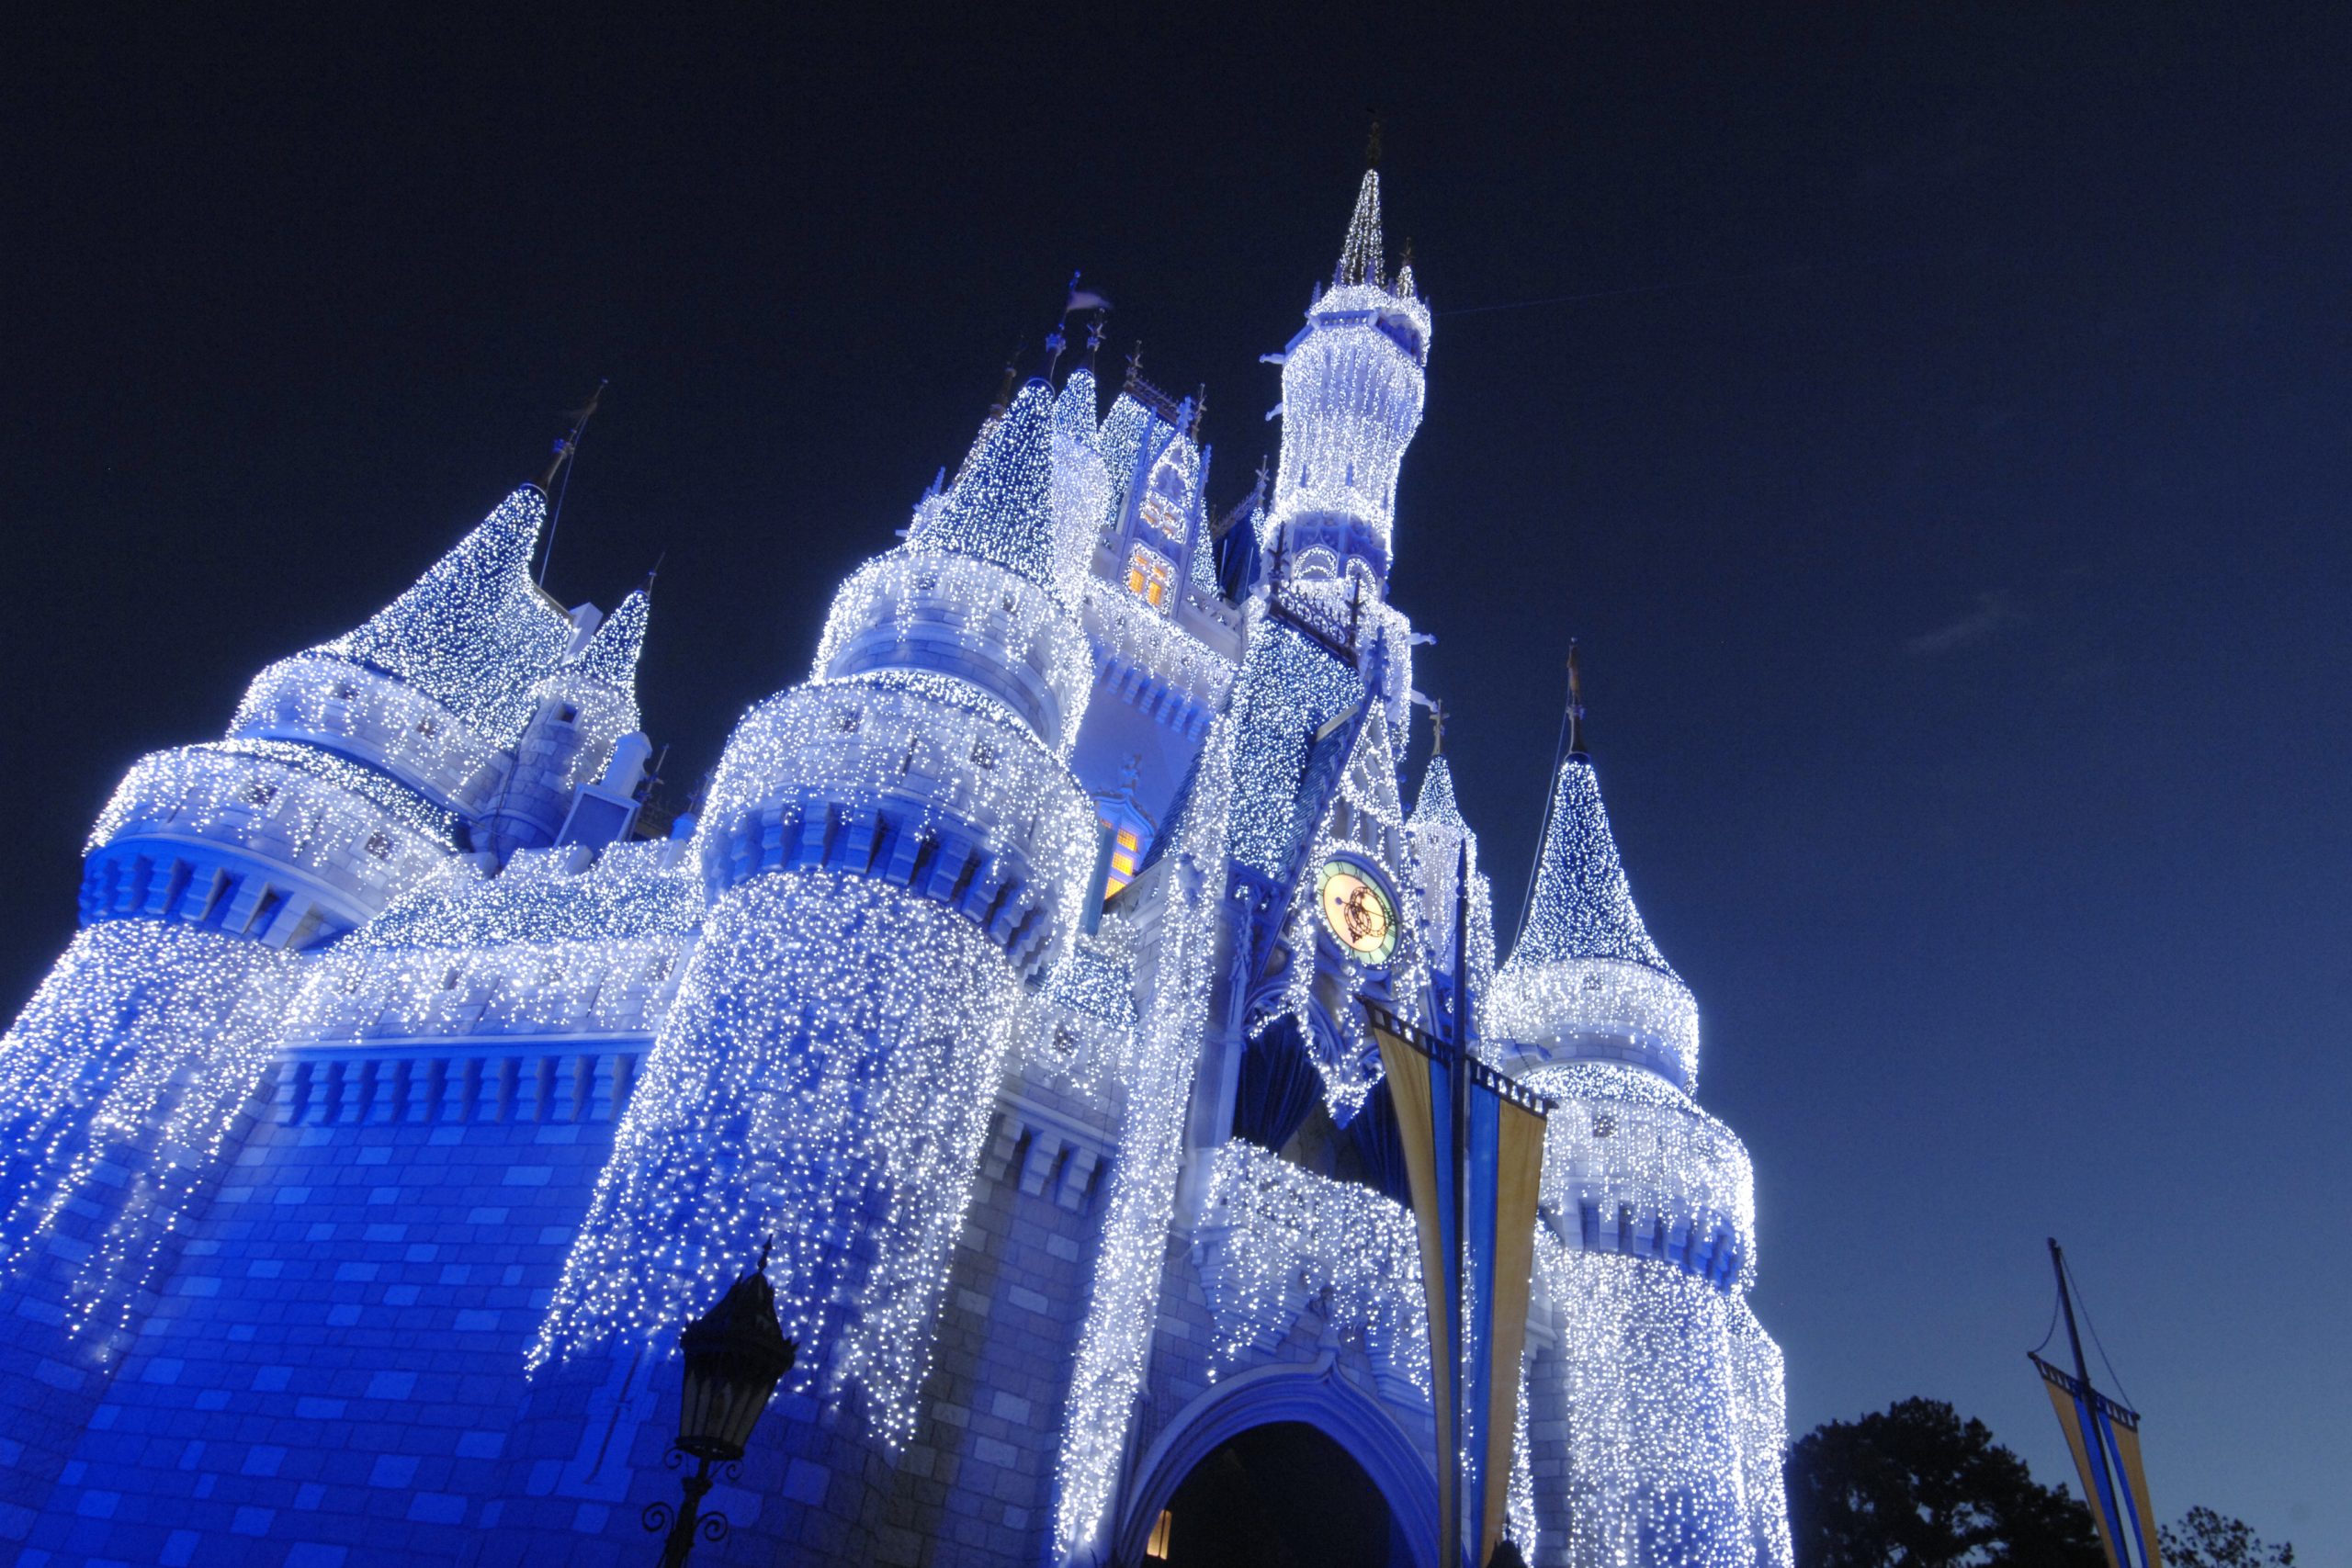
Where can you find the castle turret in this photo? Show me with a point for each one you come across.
(580, 712)
(460, 689)
(893, 848)
(350, 774)
(1440, 845)
(1351, 401)
(1584, 982)
(1649, 1241)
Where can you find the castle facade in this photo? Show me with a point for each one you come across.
(406, 1090)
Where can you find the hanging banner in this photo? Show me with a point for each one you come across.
(2104, 1438)
(1473, 1155)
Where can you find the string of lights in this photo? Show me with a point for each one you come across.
(1123, 1303)
(119, 1083)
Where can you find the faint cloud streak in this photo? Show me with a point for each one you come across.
(1994, 614)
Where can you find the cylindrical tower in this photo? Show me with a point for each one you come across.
(350, 774)
(1658, 1416)
(1352, 399)
(892, 848)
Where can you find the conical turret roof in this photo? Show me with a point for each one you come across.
(611, 652)
(1362, 257)
(1585, 982)
(1583, 907)
(1000, 508)
(474, 632)
(1435, 805)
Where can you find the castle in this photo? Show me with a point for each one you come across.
(406, 1090)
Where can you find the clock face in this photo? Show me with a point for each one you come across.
(1358, 912)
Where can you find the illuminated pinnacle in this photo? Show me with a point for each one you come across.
(1361, 257)
(1583, 907)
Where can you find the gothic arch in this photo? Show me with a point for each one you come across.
(1311, 1391)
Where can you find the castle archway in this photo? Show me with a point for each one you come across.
(1283, 1466)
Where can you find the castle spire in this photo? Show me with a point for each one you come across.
(474, 632)
(1583, 907)
(1361, 257)
(1001, 507)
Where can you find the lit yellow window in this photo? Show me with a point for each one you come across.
(1161, 1528)
(1149, 576)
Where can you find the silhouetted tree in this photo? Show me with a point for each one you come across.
(1917, 1487)
(2203, 1538)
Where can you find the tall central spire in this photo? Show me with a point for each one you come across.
(1363, 257)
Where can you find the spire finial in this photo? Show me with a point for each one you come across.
(1093, 340)
(1437, 725)
(1004, 390)
(1134, 366)
(1576, 702)
(1372, 141)
(567, 444)
(1055, 343)
(564, 448)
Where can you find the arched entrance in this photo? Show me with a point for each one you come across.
(1281, 1495)
(1295, 1437)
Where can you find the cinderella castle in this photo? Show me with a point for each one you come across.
(408, 1085)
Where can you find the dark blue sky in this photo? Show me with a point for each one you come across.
(1940, 450)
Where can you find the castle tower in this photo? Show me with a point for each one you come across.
(351, 775)
(1352, 399)
(894, 850)
(1656, 1395)
(1583, 981)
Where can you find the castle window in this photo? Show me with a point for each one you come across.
(427, 728)
(378, 845)
(1125, 851)
(1162, 514)
(345, 692)
(1150, 577)
(567, 714)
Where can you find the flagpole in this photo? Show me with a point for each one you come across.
(2090, 1423)
(1460, 1077)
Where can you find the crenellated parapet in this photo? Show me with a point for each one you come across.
(970, 620)
(1632, 1167)
(280, 843)
(914, 780)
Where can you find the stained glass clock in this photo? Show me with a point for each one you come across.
(1357, 910)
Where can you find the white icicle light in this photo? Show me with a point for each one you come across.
(1667, 1434)
(1583, 978)
(137, 1054)
(475, 632)
(1125, 1299)
(825, 1077)
(1352, 391)
(1282, 1236)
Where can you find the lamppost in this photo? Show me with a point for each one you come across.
(735, 1352)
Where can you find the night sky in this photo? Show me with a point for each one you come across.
(1934, 422)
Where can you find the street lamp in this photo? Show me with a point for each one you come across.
(735, 1352)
